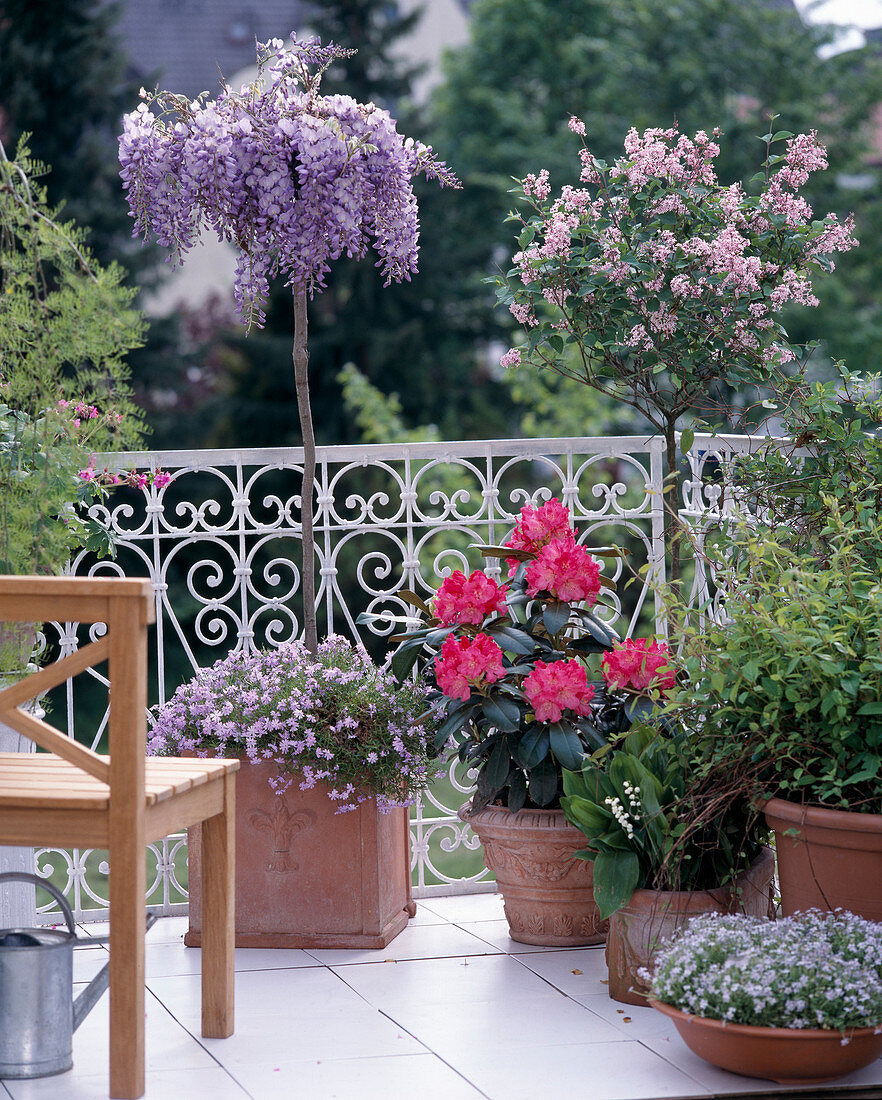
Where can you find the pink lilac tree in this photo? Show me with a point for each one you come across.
(294, 180)
(658, 284)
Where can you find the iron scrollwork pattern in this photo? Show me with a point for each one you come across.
(220, 544)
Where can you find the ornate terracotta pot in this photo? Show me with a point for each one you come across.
(827, 859)
(548, 893)
(789, 1056)
(651, 918)
(307, 877)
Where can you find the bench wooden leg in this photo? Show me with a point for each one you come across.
(218, 916)
(127, 1001)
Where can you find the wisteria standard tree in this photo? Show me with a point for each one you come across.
(294, 180)
(655, 282)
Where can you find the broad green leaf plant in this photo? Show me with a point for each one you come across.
(628, 801)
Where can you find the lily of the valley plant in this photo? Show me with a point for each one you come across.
(656, 283)
(294, 180)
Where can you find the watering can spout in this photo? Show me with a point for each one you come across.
(93, 992)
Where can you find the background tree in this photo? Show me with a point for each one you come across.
(63, 80)
(503, 109)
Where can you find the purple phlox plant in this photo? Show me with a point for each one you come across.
(294, 179)
(334, 717)
(811, 970)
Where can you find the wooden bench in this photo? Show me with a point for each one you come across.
(70, 797)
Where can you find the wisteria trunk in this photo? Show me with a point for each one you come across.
(304, 408)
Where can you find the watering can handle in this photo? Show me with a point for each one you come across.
(24, 876)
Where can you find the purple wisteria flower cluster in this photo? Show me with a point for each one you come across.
(293, 178)
(334, 718)
(811, 970)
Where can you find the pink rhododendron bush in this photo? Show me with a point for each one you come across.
(518, 687)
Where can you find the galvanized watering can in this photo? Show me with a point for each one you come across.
(37, 1014)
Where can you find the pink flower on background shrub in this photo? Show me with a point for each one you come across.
(536, 527)
(550, 689)
(566, 571)
(639, 665)
(463, 664)
(462, 599)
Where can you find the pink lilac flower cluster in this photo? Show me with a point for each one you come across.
(639, 665)
(465, 663)
(334, 718)
(810, 970)
(293, 178)
(472, 599)
(686, 270)
(561, 685)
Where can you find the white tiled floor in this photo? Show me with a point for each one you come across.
(450, 1010)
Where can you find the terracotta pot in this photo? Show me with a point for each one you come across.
(651, 918)
(548, 893)
(307, 877)
(790, 1056)
(833, 861)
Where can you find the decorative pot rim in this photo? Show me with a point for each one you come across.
(714, 894)
(756, 1031)
(501, 815)
(798, 813)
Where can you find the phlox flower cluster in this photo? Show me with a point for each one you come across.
(811, 970)
(293, 178)
(334, 718)
(551, 688)
(472, 599)
(465, 663)
(639, 665)
(684, 271)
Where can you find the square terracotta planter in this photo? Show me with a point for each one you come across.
(307, 877)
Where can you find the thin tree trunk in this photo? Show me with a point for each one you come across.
(301, 382)
(671, 497)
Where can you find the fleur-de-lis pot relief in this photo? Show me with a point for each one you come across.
(282, 826)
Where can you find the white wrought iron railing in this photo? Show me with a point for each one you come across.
(220, 543)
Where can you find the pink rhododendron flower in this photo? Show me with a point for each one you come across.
(639, 665)
(550, 689)
(464, 664)
(462, 599)
(161, 479)
(536, 527)
(566, 571)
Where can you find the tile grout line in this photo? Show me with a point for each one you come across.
(198, 1040)
(436, 1055)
